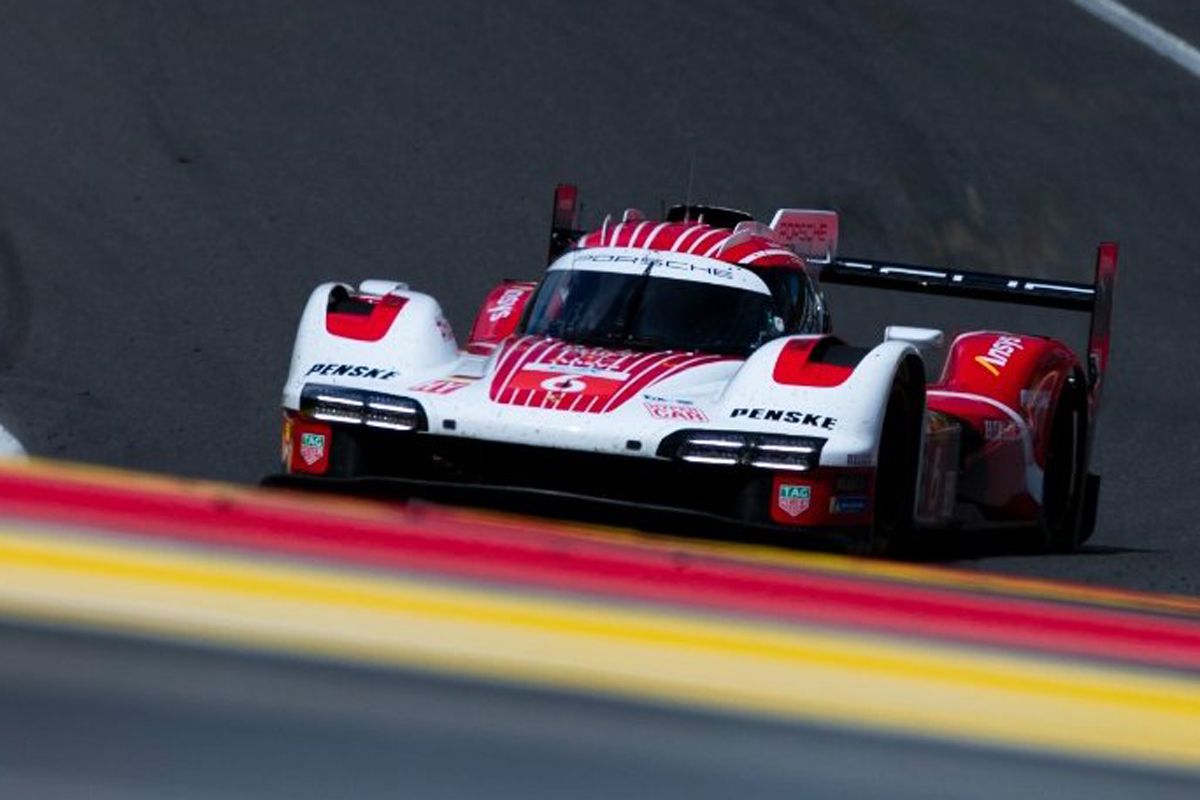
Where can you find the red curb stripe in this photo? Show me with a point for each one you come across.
(429, 540)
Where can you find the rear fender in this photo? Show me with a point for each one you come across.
(1023, 374)
(367, 341)
(1004, 388)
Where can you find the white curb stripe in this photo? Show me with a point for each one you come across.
(1137, 27)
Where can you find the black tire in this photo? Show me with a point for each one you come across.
(347, 454)
(1091, 501)
(1063, 524)
(896, 473)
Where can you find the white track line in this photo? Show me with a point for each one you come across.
(1134, 25)
(9, 446)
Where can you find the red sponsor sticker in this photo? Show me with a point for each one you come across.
(440, 386)
(675, 411)
(505, 304)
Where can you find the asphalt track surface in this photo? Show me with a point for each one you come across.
(174, 178)
(164, 721)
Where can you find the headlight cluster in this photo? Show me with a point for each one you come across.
(736, 448)
(358, 407)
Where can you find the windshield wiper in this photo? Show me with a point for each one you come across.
(632, 307)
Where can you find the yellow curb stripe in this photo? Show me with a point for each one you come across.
(768, 669)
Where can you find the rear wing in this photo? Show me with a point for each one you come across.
(1095, 298)
(813, 234)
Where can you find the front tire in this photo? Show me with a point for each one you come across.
(896, 473)
(347, 455)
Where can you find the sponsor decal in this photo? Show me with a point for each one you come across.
(443, 326)
(580, 369)
(858, 460)
(540, 372)
(1001, 430)
(679, 401)
(804, 230)
(573, 359)
(679, 411)
(851, 484)
(440, 386)
(849, 504)
(793, 499)
(999, 353)
(312, 447)
(726, 273)
(352, 371)
(564, 385)
(1035, 399)
(504, 305)
(783, 415)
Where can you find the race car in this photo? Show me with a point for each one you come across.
(688, 363)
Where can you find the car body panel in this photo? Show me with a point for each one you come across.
(509, 404)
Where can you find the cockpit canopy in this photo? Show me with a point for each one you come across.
(641, 300)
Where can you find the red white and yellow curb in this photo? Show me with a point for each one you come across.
(663, 656)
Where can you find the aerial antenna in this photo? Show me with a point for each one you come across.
(687, 197)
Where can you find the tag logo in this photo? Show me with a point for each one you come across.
(794, 500)
(312, 447)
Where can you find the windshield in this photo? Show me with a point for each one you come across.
(642, 311)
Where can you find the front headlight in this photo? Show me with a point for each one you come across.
(736, 448)
(360, 407)
(785, 452)
(712, 449)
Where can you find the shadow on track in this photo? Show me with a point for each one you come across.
(928, 547)
(985, 544)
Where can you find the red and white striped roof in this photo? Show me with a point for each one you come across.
(750, 244)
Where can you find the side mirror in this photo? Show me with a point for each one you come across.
(927, 340)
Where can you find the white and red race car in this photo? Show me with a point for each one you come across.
(688, 363)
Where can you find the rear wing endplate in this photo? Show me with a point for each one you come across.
(1102, 304)
(1096, 298)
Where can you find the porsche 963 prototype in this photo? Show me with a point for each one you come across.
(689, 363)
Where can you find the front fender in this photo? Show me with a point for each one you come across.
(850, 414)
(416, 341)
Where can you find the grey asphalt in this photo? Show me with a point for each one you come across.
(88, 717)
(175, 178)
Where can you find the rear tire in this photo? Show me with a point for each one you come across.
(1063, 523)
